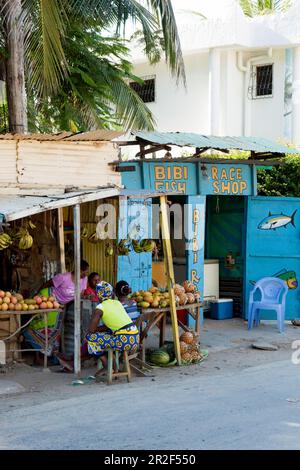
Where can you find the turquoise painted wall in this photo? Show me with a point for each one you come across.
(274, 250)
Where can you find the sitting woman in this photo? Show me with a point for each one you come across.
(90, 292)
(123, 290)
(118, 333)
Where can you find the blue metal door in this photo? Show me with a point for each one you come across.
(273, 247)
(135, 221)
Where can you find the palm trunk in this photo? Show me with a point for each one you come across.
(15, 77)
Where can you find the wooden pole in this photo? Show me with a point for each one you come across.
(169, 273)
(61, 239)
(77, 321)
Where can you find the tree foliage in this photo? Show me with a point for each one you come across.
(281, 180)
(253, 8)
(77, 61)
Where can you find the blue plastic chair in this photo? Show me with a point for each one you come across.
(273, 295)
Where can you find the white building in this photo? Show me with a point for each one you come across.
(240, 72)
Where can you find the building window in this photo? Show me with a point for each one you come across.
(146, 91)
(263, 81)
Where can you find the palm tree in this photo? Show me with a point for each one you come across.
(37, 36)
(253, 8)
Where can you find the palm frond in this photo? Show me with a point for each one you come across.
(172, 44)
(45, 24)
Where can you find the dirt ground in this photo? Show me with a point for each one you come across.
(230, 350)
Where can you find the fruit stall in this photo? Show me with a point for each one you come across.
(46, 176)
(32, 251)
(154, 305)
(224, 237)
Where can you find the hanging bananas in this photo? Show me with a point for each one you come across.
(31, 225)
(5, 241)
(144, 246)
(109, 251)
(93, 238)
(124, 247)
(148, 245)
(137, 246)
(26, 241)
(84, 232)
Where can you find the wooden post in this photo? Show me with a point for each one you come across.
(77, 307)
(169, 274)
(61, 239)
(46, 342)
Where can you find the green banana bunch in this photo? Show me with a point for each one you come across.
(109, 251)
(84, 232)
(124, 247)
(137, 246)
(31, 225)
(5, 241)
(93, 238)
(148, 245)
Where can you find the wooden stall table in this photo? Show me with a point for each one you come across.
(158, 317)
(17, 315)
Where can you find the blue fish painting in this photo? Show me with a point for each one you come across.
(272, 222)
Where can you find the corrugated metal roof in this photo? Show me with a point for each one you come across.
(184, 139)
(99, 135)
(14, 207)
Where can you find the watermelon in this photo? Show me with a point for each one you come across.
(160, 357)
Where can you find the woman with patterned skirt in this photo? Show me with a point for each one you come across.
(118, 331)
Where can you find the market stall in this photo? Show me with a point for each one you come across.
(228, 241)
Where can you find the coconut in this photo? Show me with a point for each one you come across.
(190, 298)
(186, 357)
(187, 337)
(183, 347)
(182, 299)
(189, 286)
(178, 289)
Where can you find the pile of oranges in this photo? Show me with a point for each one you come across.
(11, 301)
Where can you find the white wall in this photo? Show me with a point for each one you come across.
(267, 114)
(177, 108)
(187, 110)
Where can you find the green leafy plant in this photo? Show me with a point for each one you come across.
(281, 180)
(253, 8)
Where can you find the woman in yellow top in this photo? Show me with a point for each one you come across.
(118, 333)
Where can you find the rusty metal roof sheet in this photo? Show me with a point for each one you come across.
(184, 139)
(98, 135)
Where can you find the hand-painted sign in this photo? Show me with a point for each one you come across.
(225, 180)
(272, 222)
(192, 178)
(177, 177)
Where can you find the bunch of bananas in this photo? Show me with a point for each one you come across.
(137, 246)
(93, 238)
(5, 241)
(25, 240)
(124, 247)
(31, 224)
(144, 246)
(109, 250)
(84, 232)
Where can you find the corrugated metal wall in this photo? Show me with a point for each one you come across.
(106, 266)
(82, 164)
(8, 173)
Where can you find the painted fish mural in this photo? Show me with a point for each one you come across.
(289, 277)
(272, 222)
